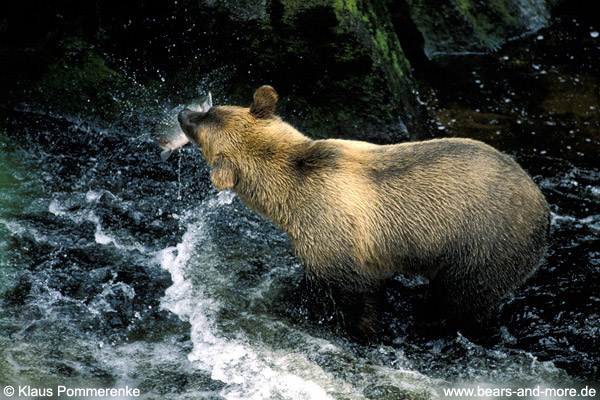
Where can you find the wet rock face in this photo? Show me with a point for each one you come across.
(343, 68)
(474, 26)
(336, 77)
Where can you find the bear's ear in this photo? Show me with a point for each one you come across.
(265, 99)
(223, 175)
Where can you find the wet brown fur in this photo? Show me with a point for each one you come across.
(456, 211)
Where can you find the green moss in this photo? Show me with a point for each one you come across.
(352, 78)
(478, 23)
(350, 6)
(369, 20)
(463, 5)
(450, 26)
(79, 81)
(396, 64)
(381, 41)
(293, 7)
(506, 13)
(349, 71)
(491, 20)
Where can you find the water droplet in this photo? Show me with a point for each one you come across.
(594, 34)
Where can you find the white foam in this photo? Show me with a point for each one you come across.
(249, 370)
(100, 304)
(92, 196)
(60, 208)
(56, 207)
(13, 227)
(17, 229)
(556, 219)
(101, 238)
(591, 221)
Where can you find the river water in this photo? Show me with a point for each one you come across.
(122, 270)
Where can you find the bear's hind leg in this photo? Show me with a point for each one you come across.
(468, 297)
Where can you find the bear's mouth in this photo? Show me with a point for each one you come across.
(185, 115)
(175, 139)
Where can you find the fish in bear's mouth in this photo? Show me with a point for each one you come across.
(175, 138)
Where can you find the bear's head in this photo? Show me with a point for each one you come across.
(228, 135)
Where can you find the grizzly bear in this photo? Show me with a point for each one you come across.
(455, 211)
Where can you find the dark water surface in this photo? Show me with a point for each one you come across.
(119, 269)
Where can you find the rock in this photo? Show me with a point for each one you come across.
(464, 26)
(343, 68)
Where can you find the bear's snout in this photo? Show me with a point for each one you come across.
(184, 116)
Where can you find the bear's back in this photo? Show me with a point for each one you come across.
(409, 204)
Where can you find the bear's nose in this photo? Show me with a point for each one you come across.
(184, 115)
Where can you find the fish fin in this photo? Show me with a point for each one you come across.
(166, 154)
(162, 144)
(207, 103)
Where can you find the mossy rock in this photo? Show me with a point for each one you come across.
(339, 65)
(462, 26)
(79, 81)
